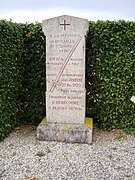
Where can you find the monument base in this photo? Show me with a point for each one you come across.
(69, 133)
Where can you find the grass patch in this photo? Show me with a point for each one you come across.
(120, 136)
(130, 131)
(40, 154)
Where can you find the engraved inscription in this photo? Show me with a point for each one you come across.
(65, 70)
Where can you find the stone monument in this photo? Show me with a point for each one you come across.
(65, 81)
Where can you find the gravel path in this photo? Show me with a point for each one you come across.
(110, 157)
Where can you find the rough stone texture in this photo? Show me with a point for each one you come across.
(65, 79)
(65, 69)
(70, 133)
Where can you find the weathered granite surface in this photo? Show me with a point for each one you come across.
(65, 69)
(69, 133)
(65, 81)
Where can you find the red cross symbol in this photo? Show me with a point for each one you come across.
(64, 24)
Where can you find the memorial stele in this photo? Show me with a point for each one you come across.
(65, 81)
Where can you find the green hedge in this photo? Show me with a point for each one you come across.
(34, 75)
(11, 71)
(110, 76)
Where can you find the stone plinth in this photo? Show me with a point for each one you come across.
(69, 133)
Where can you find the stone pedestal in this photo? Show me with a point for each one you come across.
(69, 133)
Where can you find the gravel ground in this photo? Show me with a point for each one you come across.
(110, 157)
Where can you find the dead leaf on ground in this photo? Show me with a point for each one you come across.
(30, 178)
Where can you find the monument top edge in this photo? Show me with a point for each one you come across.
(64, 16)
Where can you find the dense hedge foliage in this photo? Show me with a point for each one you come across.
(34, 74)
(11, 71)
(110, 75)
(22, 75)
